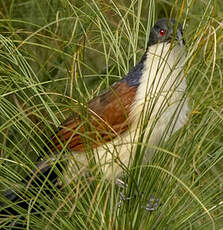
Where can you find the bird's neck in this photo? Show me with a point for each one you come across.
(162, 76)
(162, 69)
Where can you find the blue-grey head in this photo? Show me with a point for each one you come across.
(166, 30)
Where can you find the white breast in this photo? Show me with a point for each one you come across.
(160, 106)
(161, 103)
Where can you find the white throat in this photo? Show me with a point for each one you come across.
(160, 100)
(163, 72)
(162, 78)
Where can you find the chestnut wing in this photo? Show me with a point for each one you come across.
(106, 117)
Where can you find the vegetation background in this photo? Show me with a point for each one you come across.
(56, 52)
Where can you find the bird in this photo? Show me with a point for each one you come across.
(151, 93)
(147, 104)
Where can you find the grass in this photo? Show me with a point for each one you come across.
(54, 53)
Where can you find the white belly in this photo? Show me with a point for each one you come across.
(160, 107)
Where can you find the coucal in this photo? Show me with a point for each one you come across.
(146, 105)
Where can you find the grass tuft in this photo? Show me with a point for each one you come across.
(54, 54)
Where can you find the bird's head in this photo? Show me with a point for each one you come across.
(166, 30)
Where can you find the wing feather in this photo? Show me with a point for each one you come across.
(106, 118)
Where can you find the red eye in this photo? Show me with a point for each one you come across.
(162, 32)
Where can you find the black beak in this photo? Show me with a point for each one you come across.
(179, 38)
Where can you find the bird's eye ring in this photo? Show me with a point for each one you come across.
(162, 32)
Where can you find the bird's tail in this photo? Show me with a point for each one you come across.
(43, 176)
